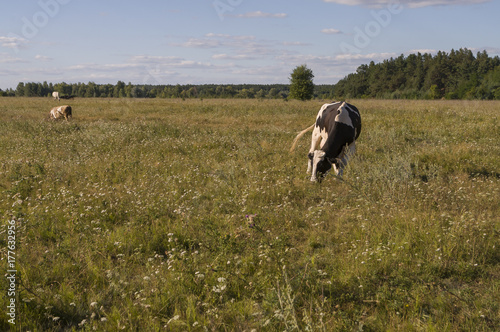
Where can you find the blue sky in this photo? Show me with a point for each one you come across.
(228, 41)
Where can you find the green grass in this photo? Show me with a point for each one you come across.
(133, 217)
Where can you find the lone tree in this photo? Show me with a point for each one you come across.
(301, 83)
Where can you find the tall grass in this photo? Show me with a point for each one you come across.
(133, 217)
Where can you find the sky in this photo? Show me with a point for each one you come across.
(228, 41)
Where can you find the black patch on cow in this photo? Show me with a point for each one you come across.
(340, 136)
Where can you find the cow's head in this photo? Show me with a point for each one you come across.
(320, 165)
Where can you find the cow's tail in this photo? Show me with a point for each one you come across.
(299, 136)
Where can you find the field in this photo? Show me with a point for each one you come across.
(133, 217)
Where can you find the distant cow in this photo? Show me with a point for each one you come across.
(55, 95)
(61, 111)
(337, 126)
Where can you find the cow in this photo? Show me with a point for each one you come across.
(337, 127)
(61, 111)
(55, 95)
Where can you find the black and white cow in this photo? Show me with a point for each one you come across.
(337, 127)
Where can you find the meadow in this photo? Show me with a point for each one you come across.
(172, 215)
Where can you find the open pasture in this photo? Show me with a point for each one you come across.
(132, 217)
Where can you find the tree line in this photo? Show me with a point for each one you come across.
(122, 90)
(457, 75)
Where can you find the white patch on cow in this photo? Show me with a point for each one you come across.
(343, 116)
(324, 107)
(319, 155)
(324, 137)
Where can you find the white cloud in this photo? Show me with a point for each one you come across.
(7, 58)
(200, 43)
(215, 40)
(89, 67)
(12, 42)
(408, 3)
(331, 31)
(234, 45)
(259, 14)
(43, 58)
(296, 43)
(422, 51)
(337, 60)
(153, 59)
(227, 36)
(492, 51)
(224, 56)
(365, 57)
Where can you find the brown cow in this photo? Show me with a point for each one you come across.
(61, 111)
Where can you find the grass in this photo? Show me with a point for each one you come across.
(133, 217)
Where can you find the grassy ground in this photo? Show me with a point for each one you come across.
(133, 217)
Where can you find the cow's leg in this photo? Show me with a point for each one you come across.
(316, 138)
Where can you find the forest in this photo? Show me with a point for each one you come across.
(456, 75)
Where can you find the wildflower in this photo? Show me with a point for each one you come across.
(251, 220)
(93, 304)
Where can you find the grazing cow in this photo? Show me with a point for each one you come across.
(55, 95)
(337, 126)
(61, 111)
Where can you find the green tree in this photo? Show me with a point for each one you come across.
(119, 90)
(301, 83)
(20, 89)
